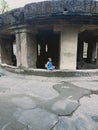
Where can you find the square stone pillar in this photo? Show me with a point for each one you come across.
(80, 50)
(26, 49)
(0, 50)
(93, 52)
(89, 52)
(68, 47)
(18, 49)
(97, 55)
(6, 51)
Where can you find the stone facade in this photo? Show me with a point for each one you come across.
(20, 15)
(51, 29)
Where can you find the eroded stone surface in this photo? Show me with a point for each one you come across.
(38, 119)
(21, 15)
(84, 118)
(30, 102)
(65, 107)
(24, 102)
(7, 119)
(67, 101)
(69, 90)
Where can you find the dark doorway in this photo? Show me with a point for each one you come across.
(48, 46)
(14, 50)
(7, 52)
(86, 51)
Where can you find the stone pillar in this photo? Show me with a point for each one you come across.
(68, 49)
(18, 49)
(97, 55)
(89, 52)
(0, 50)
(26, 49)
(80, 50)
(32, 51)
(6, 51)
(94, 53)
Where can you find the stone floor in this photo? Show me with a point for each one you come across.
(29, 102)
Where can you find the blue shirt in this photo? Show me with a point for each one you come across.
(49, 65)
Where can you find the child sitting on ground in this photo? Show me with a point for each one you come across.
(49, 64)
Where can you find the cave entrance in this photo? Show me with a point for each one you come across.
(47, 46)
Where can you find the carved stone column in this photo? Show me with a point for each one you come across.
(93, 52)
(68, 47)
(97, 55)
(26, 48)
(80, 53)
(0, 49)
(89, 52)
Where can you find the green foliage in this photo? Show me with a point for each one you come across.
(4, 7)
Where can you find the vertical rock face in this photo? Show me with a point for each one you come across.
(52, 7)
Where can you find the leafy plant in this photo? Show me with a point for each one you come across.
(4, 7)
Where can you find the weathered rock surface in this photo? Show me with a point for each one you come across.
(85, 118)
(46, 8)
(45, 103)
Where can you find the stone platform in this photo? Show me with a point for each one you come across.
(54, 73)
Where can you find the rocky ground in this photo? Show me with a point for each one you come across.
(29, 102)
